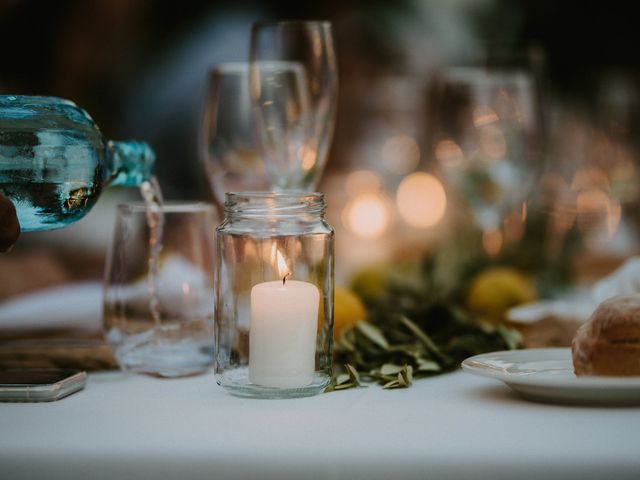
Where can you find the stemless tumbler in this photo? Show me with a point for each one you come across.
(159, 290)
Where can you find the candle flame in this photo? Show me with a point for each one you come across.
(283, 270)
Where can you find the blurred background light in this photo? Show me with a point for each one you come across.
(598, 215)
(368, 215)
(484, 116)
(586, 178)
(449, 154)
(400, 154)
(493, 144)
(421, 200)
(362, 181)
(492, 242)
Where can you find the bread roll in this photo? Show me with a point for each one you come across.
(609, 342)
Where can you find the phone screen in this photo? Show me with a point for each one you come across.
(33, 377)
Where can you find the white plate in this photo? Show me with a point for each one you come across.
(546, 375)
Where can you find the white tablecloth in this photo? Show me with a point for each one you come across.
(452, 426)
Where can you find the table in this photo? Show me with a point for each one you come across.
(451, 426)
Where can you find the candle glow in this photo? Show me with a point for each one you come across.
(283, 270)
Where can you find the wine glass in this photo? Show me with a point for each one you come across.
(485, 138)
(294, 85)
(229, 145)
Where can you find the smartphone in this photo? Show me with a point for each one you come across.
(39, 385)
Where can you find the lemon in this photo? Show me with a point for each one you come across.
(496, 290)
(348, 309)
(371, 282)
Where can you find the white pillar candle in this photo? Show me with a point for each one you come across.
(282, 338)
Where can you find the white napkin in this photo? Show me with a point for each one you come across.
(184, 291)
(581, 303)
(77, 306)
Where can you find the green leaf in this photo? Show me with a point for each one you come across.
(345, 386)
(391, 384)
(428, 366)
(510, 336)
(345, 380)
(408, 375)
(352, 373)
(373, 333)
(390, 369)
(344, 342)
(402, 381)
(421, 336)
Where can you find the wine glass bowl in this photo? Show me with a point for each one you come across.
(229, 145)
(284, 123)
(485, 138)
(294, 85)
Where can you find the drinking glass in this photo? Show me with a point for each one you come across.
(159, 290)
(485, 137)
(229, 145)
(294, 86)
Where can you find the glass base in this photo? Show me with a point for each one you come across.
(237, 383)
(167, 361)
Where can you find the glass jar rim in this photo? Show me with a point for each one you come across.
(273, 203)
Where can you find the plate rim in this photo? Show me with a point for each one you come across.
(477, 365)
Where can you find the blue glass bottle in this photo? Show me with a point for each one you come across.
(54, 162)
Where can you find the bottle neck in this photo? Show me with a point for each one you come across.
(128, 163)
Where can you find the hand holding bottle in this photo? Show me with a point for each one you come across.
(9, 227)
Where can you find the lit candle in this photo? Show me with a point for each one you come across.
(282, 338)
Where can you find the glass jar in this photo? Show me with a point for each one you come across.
(274, 311)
